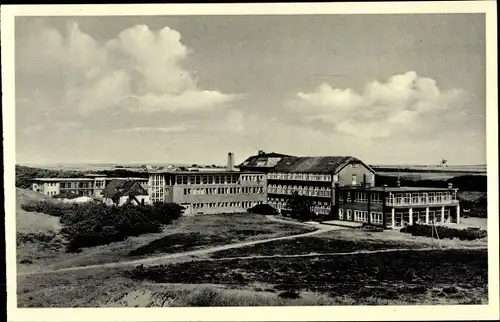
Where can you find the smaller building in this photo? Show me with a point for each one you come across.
(119, 192)
(395, 207)
(91, 185)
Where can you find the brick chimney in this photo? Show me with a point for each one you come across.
(230, 161)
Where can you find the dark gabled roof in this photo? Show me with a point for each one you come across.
(119, 187)
(263, 160)
(328, 164)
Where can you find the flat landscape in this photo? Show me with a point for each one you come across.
(245, 259)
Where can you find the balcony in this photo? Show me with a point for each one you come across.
(422, 203)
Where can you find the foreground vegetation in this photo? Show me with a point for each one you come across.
(312, 245)
(444, 232)
(409, 276)
(415, 277)
(93, 224)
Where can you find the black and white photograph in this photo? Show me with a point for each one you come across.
(220, 158)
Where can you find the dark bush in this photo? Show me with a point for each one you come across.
(444, 232)
(92, 224)
(263, 209)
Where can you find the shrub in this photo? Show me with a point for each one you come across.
(263, 209)
(93, 224)
(444, 232)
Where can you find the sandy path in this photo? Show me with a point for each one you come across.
(393, 250)
(189, 255)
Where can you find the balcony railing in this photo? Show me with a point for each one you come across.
(421, 202)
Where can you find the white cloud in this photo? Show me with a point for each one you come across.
(230, 123)
(140, 70)
(402, 104)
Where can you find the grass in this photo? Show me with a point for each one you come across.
(308, 245)
(27, 222)
(229, 228)
(411, 277)
(210, 231)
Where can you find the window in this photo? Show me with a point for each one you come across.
(376, 217)
(414, 198)
(399, 198)
(407, 198)
(439, 197)
(420, 216)
(423, 198)
(187, 191)
(361, 215)
(184, 179)
(432, 198)
(341, 214)
(353, 179)
(399, 219)
(375, 198)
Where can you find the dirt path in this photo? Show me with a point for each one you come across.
(393, 250)
(189, 255)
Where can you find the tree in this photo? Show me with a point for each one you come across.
(300, 207)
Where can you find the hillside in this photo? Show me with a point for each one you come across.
(32, 222)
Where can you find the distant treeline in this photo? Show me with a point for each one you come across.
(121, 173)
(25, 175)
(463, 183)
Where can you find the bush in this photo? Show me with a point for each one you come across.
(444, 232)
(476, 208)
(93, 224)
(263, 209)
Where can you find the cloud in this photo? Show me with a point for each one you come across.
(231, 122)
(404, 103)
(140, 70)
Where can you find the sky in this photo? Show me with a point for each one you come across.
(388, 89)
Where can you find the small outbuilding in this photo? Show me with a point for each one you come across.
(119, 192)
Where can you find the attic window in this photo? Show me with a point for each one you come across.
(355, 165)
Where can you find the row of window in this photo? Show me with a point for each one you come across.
(361, 216)
(421, 216)
(421, 198)
(361, 197)
(302, 190)
(235, 204)
(318, 209)
(313, 202)
(252, 177)
(206, 179)
(223, 191)
(301, 176)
